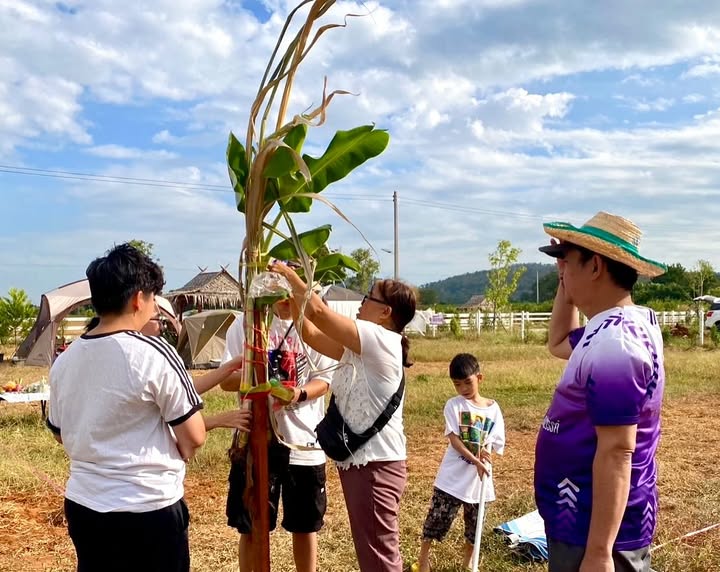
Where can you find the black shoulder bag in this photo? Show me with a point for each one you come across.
(339, 441)
(276, 361)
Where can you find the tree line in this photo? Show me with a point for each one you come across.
(500, 286)
(675, 289)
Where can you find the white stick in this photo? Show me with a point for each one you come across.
(480, 520)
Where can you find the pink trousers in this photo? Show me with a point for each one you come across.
(372, 495)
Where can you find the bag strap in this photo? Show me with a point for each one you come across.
(292, 325)
(389, 411)
(383, 418)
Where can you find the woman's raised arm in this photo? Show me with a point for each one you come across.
(336, 328)
(317, 340)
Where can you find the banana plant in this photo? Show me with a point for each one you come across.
(274, 180)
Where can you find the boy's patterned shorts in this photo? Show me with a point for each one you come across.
(443, 510)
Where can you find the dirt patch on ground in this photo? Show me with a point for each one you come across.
(34, 534)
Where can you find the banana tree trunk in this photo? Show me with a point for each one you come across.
(259, 455)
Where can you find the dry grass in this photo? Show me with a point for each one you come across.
(520, 376)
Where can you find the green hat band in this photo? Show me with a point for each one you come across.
(606, 237)
(598, 233)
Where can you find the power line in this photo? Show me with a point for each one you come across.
(79, 265)
(118, 180)
(373, 198)
(209, 187)
(71, 175)
(33, 170)
(465, 208)
(92, 177)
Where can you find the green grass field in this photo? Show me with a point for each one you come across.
(519, 376)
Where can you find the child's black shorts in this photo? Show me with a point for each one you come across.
(443, 510)
(302, 489)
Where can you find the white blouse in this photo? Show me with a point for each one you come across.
(363, 386)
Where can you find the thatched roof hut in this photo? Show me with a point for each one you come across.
(477, 303)
(208, 290)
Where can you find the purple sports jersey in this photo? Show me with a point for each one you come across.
(615, 376)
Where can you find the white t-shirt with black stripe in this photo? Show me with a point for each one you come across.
(113, 399)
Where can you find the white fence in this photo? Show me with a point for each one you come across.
(72, 327)
(520, 323)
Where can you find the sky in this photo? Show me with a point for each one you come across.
(502, 114)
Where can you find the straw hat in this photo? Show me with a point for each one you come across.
(613, 236)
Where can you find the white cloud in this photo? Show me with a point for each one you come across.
(25, 11)
(644, 105)
(641, 80)
(120, 152)
(503, 109)
(517, 110)
(205, 51)
(709, 67)
(37, 108)
(164, 136)
(694, 98)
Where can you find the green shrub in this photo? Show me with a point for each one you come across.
(714, 335)
(455, 328)
(666, 335)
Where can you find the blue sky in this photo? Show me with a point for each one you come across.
(502, 114)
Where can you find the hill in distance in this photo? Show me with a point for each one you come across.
(459, 289)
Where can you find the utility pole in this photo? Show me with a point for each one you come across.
(396, 247)
(537, 286)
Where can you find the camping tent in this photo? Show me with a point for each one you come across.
(202, 338)
(420, 322)
(347, 302)
(341, 300)
(39, 346)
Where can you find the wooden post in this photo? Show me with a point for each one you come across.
(259, 458)
(701, 324)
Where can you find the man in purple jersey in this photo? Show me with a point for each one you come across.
(595, 468)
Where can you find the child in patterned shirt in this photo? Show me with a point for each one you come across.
(473, 425)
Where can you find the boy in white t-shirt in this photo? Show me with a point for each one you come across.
(297, 476)
(470, 420)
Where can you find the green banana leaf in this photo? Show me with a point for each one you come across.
(283, 162)
(334, 261)
(296, 137)
(270, 299)
(237, 169)
(331, 268)
(347, 150)
(331, 277)
(310, 240)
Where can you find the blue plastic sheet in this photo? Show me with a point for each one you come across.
(526, 536)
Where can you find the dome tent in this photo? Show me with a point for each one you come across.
(202, 338)
(38, 348)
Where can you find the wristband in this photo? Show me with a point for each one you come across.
(303, 396)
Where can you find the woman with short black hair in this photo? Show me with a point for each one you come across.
(128, 416)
